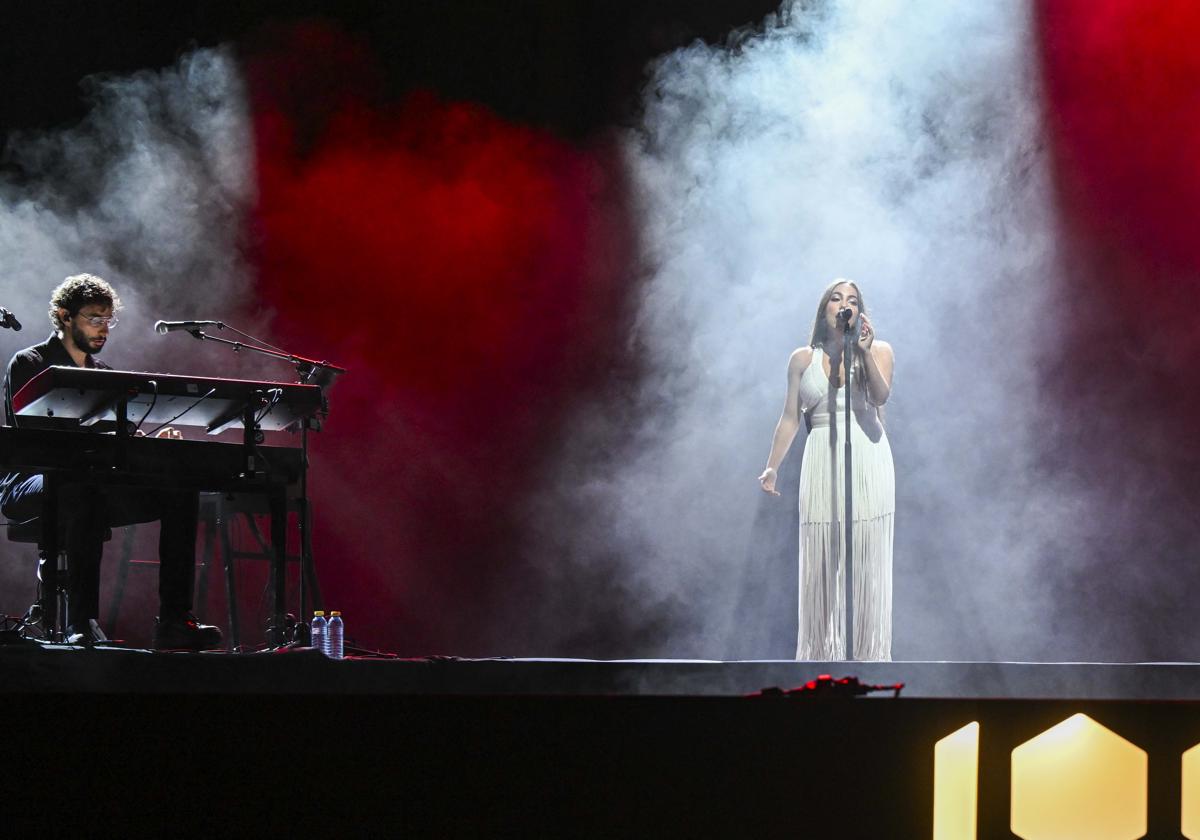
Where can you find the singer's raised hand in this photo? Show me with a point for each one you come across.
(866, 333)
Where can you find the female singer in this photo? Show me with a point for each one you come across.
(815, 377)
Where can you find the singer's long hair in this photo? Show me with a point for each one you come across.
(820, 330)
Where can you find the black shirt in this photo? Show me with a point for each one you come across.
(25, 365)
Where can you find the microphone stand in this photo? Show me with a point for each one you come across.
(848, 363)
(310, 372)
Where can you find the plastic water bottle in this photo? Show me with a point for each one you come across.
(319, 632)
(333, 642)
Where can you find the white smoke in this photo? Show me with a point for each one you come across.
(149, 191)
(893, 143)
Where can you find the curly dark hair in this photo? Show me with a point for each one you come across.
(76, 292)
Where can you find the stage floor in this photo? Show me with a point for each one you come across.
(63, 669)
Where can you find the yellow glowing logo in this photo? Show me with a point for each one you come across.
(1189, 818)
(956, 784)
(1077, 779)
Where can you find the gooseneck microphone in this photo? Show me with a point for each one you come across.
(164, 327)
(9, 321)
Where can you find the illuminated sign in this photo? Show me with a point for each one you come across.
(1076, 779)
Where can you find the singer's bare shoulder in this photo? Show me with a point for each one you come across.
(799, 361)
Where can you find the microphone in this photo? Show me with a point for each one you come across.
(844, 315)
(164, 327)
(9, 321)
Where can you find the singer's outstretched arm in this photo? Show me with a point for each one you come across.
(789, 420)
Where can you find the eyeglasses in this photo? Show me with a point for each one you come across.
(99, 320)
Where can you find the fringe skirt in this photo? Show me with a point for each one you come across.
(822, 633)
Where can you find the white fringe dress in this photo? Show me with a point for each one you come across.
(822, 633)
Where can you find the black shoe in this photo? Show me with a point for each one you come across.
(87, 633)
(185, 633)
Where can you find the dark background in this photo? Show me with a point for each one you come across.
(575, 68)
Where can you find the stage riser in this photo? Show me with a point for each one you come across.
(615, 766)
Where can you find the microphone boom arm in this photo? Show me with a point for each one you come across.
(304, 366)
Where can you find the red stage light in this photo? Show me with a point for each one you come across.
(1122, 83)
(468, 271)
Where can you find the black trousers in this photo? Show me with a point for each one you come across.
(86, 511)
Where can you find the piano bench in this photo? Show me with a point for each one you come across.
(30, 531)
